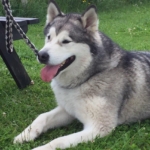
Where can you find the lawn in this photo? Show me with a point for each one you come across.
(130, 27)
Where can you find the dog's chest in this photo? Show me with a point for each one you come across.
(67, 98)
(72, 101)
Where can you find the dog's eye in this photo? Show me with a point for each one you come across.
(66, 41)
(48, 37)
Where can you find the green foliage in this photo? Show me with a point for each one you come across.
(34, 8)
(31, 9)
(130, 27)
(38, 8)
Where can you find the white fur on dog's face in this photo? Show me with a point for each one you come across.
(58, 52)
(81, 30)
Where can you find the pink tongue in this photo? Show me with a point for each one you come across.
(48, 72)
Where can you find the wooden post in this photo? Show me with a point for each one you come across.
(13, 62)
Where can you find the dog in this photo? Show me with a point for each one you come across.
(93, 79)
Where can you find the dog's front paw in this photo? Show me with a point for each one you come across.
(21, 138)
(32, 131)
(29, 134)
(18, 139)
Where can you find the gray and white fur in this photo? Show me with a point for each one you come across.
(104, 86)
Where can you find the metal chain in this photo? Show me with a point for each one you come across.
(8, 29)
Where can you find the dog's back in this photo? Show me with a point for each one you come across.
(135, 103)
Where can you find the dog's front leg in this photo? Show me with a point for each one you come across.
(55, 118)
(70, 140)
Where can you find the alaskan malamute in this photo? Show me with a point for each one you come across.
(93, 79)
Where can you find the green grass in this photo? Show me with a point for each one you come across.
(130, 27)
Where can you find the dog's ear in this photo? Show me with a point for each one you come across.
(52, 11)
(90, 19)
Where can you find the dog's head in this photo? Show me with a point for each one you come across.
(69, 45)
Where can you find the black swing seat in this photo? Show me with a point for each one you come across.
(12, 60)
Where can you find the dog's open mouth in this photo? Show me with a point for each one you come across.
(65, 64)
(49, 72)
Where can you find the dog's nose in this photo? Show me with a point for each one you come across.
(43, 57)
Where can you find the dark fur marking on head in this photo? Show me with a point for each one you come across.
(49, 25)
